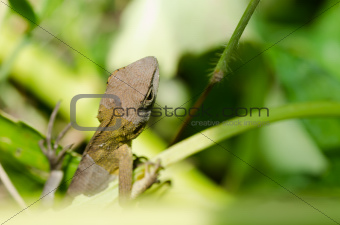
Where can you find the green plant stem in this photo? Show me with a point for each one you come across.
(222, 64)
(221, 68)
(189, 116)
(218, 133)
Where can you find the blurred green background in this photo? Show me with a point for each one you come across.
(79, 43)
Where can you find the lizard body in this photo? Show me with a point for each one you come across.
(108, 155)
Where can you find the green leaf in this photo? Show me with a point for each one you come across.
(304, 80)
(25, 10)
(21, 154)
(288, 148)
(19, 143)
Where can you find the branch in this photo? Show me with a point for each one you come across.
(11, 189)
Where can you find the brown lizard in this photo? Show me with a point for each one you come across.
(108, 155)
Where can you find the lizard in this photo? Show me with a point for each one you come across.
(108, 155)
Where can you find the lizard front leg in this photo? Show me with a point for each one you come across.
(125, 173)
(127, 191)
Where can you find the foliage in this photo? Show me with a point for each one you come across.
(287, 60)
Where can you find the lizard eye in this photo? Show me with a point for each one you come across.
(149, 97)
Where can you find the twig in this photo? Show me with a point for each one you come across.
(50, 127)
(10, 188)
(61, 135)
(55, 159)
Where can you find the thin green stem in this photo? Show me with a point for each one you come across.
(221, 68)
(222, 64)
(218, 133)
(194, 108)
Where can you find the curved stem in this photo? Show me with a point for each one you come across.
(218, 133)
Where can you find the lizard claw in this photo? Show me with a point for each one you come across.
(157, 166)
(150, 177)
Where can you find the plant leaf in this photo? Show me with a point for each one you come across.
(21, 154)
(25, 10)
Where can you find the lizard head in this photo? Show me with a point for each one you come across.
(136, 87)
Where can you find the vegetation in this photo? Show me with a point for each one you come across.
(249, 169)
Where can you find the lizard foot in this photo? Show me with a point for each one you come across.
(150, 177)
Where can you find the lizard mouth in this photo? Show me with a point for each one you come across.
(139, 129)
